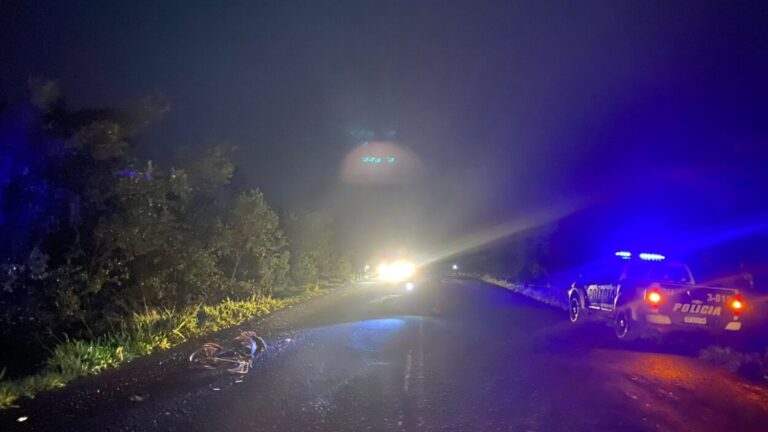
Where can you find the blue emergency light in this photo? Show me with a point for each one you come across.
(643, 256)
(652, 257)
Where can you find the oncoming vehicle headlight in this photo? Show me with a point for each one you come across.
(396, 272)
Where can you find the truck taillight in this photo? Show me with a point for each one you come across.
(737, 304)
(653, 297)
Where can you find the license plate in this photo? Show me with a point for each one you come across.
(694, 320)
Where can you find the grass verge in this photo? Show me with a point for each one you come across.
(147, 331)
(753, 366)
(542, 293)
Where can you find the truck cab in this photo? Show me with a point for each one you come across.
(645, 293)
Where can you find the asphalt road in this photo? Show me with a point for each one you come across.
(455, 356)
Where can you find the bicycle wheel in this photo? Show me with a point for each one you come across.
(206, 357)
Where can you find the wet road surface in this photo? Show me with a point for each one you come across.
(452, 356)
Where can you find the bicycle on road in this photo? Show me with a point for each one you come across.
(237, 359)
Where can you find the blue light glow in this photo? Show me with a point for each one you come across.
(371, 335)
(381, 324)
(652, 257)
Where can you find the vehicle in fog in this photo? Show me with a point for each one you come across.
(644, 294)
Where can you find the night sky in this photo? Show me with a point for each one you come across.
(650, 112)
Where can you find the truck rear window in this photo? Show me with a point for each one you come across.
(676, 273)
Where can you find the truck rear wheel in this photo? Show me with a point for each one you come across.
(623, 326)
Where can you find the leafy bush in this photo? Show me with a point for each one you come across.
(343, 270)
(31, 385)
(8, 395)
(77, 357)
(11, 391)
(304, 271)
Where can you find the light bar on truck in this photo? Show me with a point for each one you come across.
(624, 254)
(652, 257)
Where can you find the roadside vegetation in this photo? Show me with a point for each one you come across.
(544, 293)
(753, 366)
(151, 330)
(106, 255)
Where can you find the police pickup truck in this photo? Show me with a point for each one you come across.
(644, 293)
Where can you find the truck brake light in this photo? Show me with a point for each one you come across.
(737, 304)
(653, 295)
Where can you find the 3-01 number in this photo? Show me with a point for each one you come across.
(717, 298)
